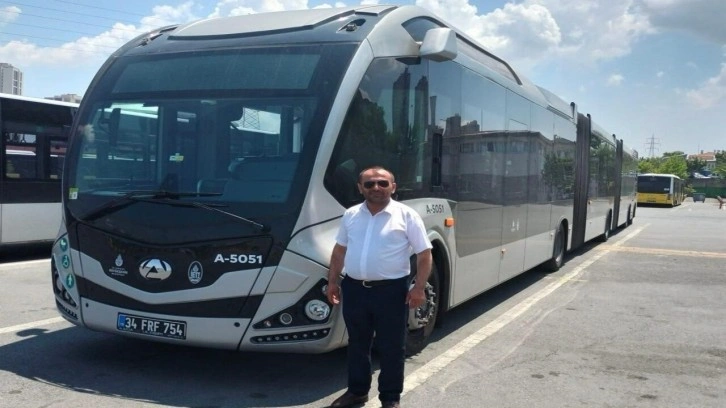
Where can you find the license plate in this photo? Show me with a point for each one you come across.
(172, 329)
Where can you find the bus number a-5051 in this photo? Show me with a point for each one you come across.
(239, 259)
(434, 208)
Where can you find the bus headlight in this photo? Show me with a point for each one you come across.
(317, 310)
(285, 319)
(310, 309)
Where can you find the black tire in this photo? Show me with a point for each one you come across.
(630, 218)
(558, 251)
(417, 338)
(606, 234)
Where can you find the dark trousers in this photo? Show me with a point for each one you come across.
(380, 310)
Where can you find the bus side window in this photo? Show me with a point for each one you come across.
(211, 185)
(345, 178)
(20, 164)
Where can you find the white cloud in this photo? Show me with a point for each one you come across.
(540, 31)
(9, 14)
(615, 80)
(597, 29)
(519, 31)
(93, 50)
(168, 15)
(526, 34)
(701, 17)
(74, 53)
(711, 92)
(226, 8)
(660, 74)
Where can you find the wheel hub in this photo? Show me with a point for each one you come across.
(422, 315)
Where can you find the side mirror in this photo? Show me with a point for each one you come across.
(439, 44)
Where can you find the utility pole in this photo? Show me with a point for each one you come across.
(650, 145)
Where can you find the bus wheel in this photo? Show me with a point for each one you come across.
(630, 218)
(421, 320)
(558, 251)
(606, 234)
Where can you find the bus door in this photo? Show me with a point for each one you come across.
(516, 193)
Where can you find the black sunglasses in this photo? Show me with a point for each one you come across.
(381, 184)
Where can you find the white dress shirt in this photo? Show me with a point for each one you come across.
(379, 246)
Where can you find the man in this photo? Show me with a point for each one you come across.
(374, 244)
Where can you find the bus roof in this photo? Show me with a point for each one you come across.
(658, 175)
(272, 22)
(382, 27)
(38, 100)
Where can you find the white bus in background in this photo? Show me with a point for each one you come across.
(34, 143)
(211, 164)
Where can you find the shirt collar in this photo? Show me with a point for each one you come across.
(384, 210)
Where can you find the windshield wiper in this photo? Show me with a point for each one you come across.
(260, 227)
(130, 197)
(168, 198)
(169, 195)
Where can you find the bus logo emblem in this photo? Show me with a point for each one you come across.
(195, 272)
(155, 269)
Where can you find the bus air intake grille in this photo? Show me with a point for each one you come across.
(309, 335)
(66, 311)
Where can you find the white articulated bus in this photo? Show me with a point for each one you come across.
(34, 141)
(211, 164)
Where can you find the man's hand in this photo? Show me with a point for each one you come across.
(415, 297)
(333, 293)
(336, 267)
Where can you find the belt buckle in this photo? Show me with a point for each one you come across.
(365, 284)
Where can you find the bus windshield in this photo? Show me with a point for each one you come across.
(226, 127)
(654, 184)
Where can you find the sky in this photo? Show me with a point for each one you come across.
(652, 72)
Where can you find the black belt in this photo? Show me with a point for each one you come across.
(374, 283)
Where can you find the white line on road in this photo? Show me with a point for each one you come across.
(15, 265)
(32, 325)
(426, 371)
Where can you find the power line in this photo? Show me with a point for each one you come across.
(101, 8)
(68, 48)
(61, 29)
(73, 21)
(52, 39)
(61, 11)
(52, 27)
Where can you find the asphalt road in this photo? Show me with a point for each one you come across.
(638, 321)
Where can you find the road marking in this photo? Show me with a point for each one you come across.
(32, 325)
(662, 251)
(423, 373)
(15, 265)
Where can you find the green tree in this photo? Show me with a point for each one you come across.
(721, 164)
(649, 165)
(695, 165)
(674, 164)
